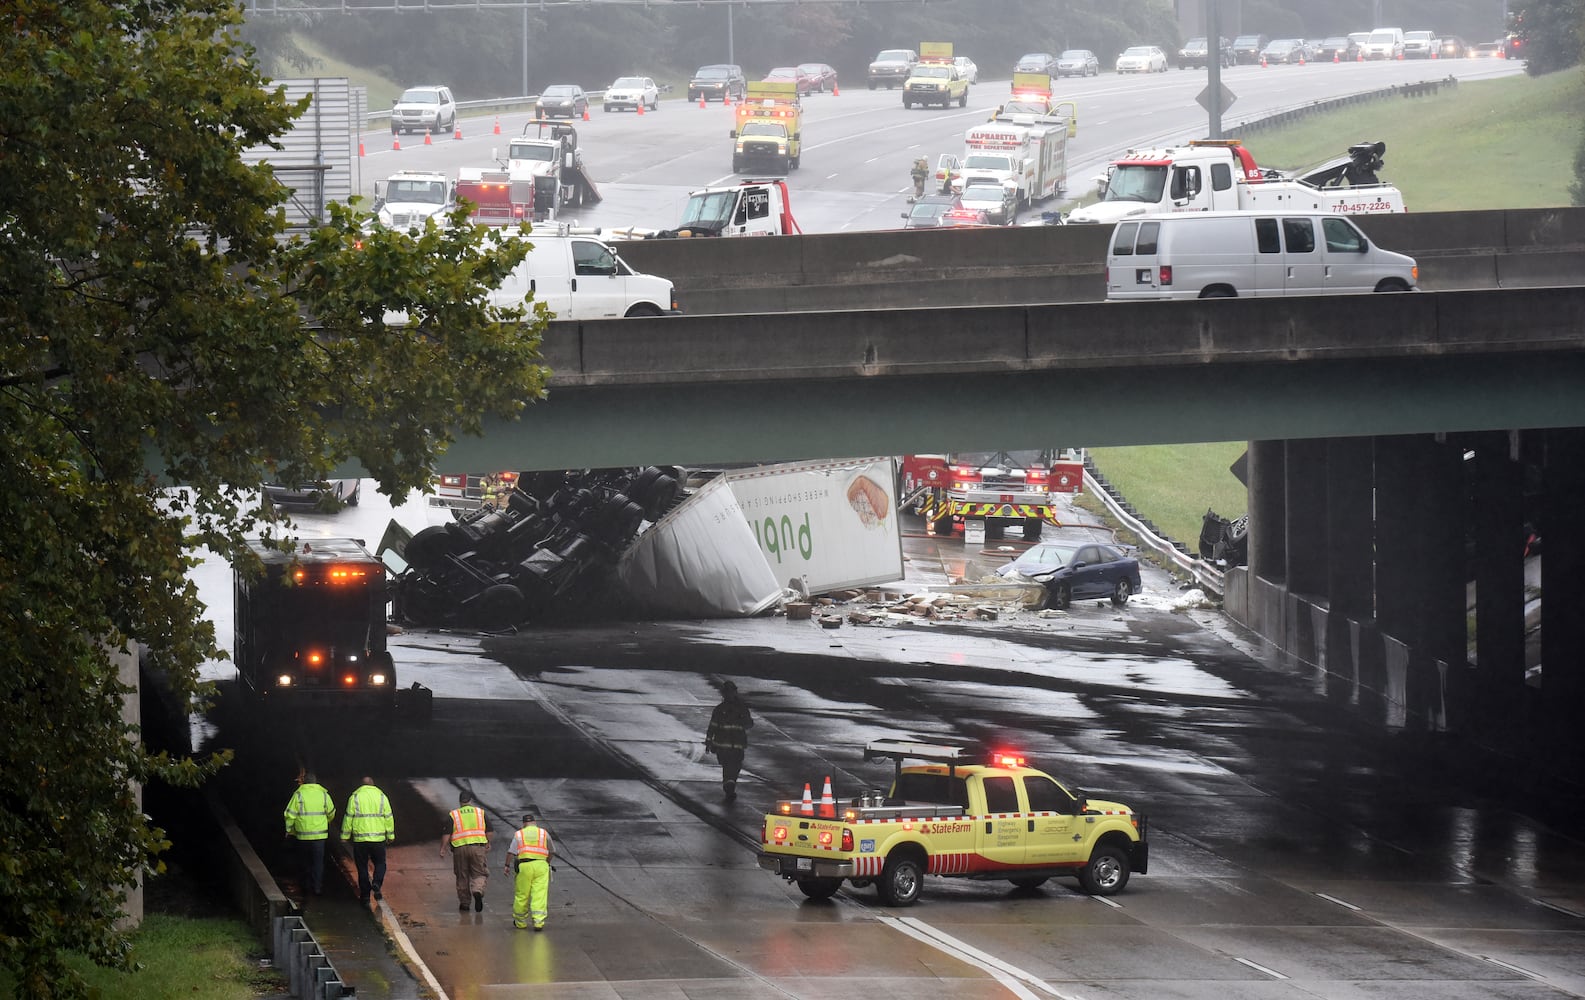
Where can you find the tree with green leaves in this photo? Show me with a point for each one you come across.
(159, 319)
(1550, 33)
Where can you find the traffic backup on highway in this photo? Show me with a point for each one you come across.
(953, 813)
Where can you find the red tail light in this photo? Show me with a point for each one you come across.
(847, 839)
(1165, 274)
(1033, 476)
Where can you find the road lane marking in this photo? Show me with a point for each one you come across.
(829, 176)
(1339, 902)
(872, 159)
(1515, 969)
(1109, 902)
(1561, 909)
(1259, 968)
(1005, 973)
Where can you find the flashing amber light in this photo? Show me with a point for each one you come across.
(350, 680)
(780, 835)
(908, 824)
(315, 658)
(785, 808)
(455, 481)
(1037, 475)
(345, 574)
(825, 838)
(1007, 760)
(850, 815)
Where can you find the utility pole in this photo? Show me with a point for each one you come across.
(1213, 67)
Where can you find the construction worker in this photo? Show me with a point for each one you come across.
(308, 816)
(530, 856)
(470, 851)
(727, 736)
(368, 826)
(920, 172)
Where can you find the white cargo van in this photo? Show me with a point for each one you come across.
(579, 277)
(1383, 43)
(1203, 255)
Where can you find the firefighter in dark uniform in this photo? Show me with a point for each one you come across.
(920, 174)
(727, 736)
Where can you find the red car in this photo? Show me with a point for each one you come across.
(824, 76)
(807, 84)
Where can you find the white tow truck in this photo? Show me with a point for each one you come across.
(1212, 175)
(547, 153)
(751, 208)
(408, 197)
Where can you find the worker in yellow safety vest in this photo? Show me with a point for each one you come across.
(308, 816)
(530, 855)
(469, 842)
(368, 826)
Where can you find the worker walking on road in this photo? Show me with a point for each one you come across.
(727, 736)
(530, 856)
(920, 173)
(368, 826)
(470, 851)
(308, 816)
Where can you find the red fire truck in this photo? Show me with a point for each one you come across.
(999, 487)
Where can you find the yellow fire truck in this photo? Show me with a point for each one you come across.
(957, 814)
(768, 128)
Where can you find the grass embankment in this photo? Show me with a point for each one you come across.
(1490, 144)
(201, 959)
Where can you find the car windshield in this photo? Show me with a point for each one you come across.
(962, 62)
(711, 73)
(420, 96)
(629, 83)
(711, 208)
(1247, 40)
(1335, 43)
(531, 151)
(929, 210)
(1075, 55)
(1043, 558)
(561, 90)
(1383, 37)
(893, 55)
(1008, 459)
(1279, 46)
(984, 161)
(782, 73)
(431, 192)
(1419, 36)
(982, 192)
(934, 72)
(764, 128)
(1137, 182)
(1194, 45)
(1025, 108)
(812, 69)
(1137, 52)
(1032, 63)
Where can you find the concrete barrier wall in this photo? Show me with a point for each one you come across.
(684, 350)
(1045, 264)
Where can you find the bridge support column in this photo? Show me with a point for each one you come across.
(1497, 520)
(1419, 570)
(1351, 560)
(1268, 557)
(1305, 544)
(1562, 586)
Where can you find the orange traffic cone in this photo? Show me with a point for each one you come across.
(1400, 57)
(828, 805)
(1301, 59)
(835, 90)
(360, 148)
(701, 100)
(726, 99)
(1335, 59)
(809, 802)
(641, 107)
(396, 143)
(586, 113)
(458, 134)
(1263, 61)
(1361, 56)
(497, 124)
(427, 140)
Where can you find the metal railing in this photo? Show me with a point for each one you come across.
(1209, 577)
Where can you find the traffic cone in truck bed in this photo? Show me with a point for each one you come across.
(828, 805)
(809, 802)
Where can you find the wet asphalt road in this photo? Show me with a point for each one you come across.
(1297, 851)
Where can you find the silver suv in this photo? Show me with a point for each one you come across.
(424, 109)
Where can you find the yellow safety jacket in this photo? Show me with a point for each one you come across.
(467, 826)
(530, 844)
(368, 818)
(309, 813)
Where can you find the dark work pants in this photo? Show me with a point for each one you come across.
(311, 856)
(364, 853)
(731, 764)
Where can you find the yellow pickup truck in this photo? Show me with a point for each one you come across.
(954, 813)
(935, 82)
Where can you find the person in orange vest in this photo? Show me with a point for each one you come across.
(308, 816)
(530, 855)
(470, 851)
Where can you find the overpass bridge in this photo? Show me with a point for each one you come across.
(1400, 444)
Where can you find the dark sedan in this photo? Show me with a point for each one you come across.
(1338, 48)
(1078, 570)
(824, 76)
(1037, 62)
(927, 212)
(1453, 47)
(564, 99)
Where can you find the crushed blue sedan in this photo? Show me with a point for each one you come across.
(1078, 570)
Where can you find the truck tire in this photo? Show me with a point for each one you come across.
(819, 888)
(737, 164)
(1028, 883)
(796, 161)
(907, 104)
(901, 880)
(430, 546)
(1106, 873)
(1059, 597)
(872, 84)
(500, 607)
(963, 101)
(1032, 527)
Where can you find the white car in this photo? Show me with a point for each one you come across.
(632, 92)
(1142, 59)
(966, 69)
